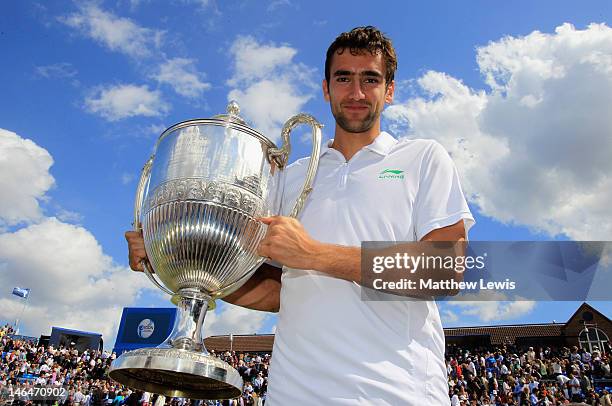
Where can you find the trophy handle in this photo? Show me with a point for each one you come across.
(145, 176)
(283, 155)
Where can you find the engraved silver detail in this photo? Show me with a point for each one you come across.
(176, 354)
(201, 189)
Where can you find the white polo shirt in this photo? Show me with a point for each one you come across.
(331, 347)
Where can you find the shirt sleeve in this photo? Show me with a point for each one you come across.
(439, 200)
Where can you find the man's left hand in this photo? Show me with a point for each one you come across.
(288, 243)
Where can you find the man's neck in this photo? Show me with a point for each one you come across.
(349, 143)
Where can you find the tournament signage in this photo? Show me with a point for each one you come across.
(143, 327)
(146, 328)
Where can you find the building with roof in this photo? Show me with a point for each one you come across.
(586, 328)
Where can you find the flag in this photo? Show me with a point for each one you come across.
(21, 292)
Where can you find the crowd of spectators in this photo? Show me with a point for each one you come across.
(527, 376)
(83, 374)
(25, 364)
(478, 376)
(254, 371)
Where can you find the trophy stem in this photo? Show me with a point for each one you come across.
(188, 331)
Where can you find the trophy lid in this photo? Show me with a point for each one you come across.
(230, 119)
(232, 115)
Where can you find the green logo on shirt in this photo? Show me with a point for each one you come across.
(391, 174)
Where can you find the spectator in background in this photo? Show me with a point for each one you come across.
(531, 355)
(574, 388)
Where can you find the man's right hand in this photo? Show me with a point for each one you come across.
(136, 249)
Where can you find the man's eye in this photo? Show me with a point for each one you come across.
(371, 80)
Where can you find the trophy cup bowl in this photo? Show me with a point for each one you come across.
(197, 203)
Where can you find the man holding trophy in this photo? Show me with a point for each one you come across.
(332, 347)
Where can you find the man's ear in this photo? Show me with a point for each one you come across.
(389, 92)
(325, 90)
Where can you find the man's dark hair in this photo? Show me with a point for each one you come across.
(358, 41)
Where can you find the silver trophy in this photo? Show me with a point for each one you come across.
(197, 204)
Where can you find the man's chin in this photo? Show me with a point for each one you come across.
(358, 127)
(357, 124)
(356, 131)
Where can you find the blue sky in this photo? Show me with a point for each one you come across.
(518, 92)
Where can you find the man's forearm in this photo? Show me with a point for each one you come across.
(339, 261)
(260, 292)
(345, 262)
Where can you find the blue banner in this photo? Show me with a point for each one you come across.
(21, 292)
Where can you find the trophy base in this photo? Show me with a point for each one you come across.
(177, 373)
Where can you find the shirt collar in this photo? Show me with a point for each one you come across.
(381, 145)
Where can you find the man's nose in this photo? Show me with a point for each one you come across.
(356, 90)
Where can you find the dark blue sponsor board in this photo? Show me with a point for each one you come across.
(80, 340)
(143, 327)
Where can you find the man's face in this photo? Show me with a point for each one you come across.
(357, 91)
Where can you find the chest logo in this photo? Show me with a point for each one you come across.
(391, 174)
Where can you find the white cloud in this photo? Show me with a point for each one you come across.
(127, 178)
(304, 137)
(606, 257)
(269, 103)
(68, 216)
(122, 101)
(56, 70)
(535, 148)
(211, 12)
(155, 129)
(269, 86)
(254, 61)
(201, 3)
(276, 4)
(234, 319)
(149, 131)
(116, 33)
(492, 307)
(134, 4)
(24, 179)
(181, 74)
(448, 316)
(73, 283)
